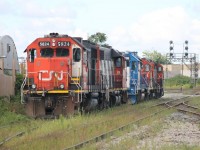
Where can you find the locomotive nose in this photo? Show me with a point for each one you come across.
(51, 73)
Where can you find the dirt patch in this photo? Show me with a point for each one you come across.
(179, 128)
(116, 140)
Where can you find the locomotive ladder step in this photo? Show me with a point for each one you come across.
(74, 83)
(75, 80)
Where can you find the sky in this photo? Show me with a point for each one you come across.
(130, 25)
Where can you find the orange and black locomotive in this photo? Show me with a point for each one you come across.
(67, 74)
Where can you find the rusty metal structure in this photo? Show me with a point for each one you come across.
(191, 60)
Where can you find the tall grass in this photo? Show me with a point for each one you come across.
(64, 132)
(179, 81)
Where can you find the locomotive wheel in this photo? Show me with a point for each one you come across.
(146, 97)
(151, 95)
(157, 95)
(124, 98)
(139, 96)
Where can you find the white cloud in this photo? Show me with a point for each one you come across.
(26, 20)
(161, 25)
(31, 19)
(154, 30)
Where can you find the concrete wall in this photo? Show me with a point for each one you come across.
(6, 85)
(176, 69)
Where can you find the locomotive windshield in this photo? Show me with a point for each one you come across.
(32, 54)
(46, 52)
(133, 65)
(127, 63)
(118, 62)
(62, 52)
(147, 68)
(76, 54)
(159, 69)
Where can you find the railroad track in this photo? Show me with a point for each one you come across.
(18, 134)
(183, 107)
(170, 104)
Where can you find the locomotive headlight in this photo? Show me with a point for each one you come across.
(33, 86)
(62, 86)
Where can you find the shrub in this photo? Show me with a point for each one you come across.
(19, 80)
(178, 80)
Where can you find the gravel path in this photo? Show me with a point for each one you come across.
(178, 128)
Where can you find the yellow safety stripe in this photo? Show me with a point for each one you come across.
(68, 91)
(75, 79)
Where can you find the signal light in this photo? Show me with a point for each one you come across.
(186, 54)
(186, 47)
(171, 48)
(171, 45)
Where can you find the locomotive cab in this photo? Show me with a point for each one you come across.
(160, 79)
(133, 76)
(54, 66)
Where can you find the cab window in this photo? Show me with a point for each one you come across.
(147, 68)
(76, 54)
(127, 63)
(32, 55)
(118, 62)
(46, 52)
(159, 69)
(133, 65)
(62, 52)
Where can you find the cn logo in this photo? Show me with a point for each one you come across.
(51, 73)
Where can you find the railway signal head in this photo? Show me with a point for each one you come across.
(186, 48)
(171, 48)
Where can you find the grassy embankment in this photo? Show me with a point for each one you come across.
(64, 132)
(180, 81)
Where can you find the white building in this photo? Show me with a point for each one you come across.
(9, 66)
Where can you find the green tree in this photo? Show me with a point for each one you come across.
(98, 38)
(156, 57)
(19, 80)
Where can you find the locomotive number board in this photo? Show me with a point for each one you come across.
(44, 43)
(59, 43)
(63, 43)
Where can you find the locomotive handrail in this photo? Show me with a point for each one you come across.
(145, 81)
(135, 84)
(22, 87)
(157, 84)
(76, 83)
